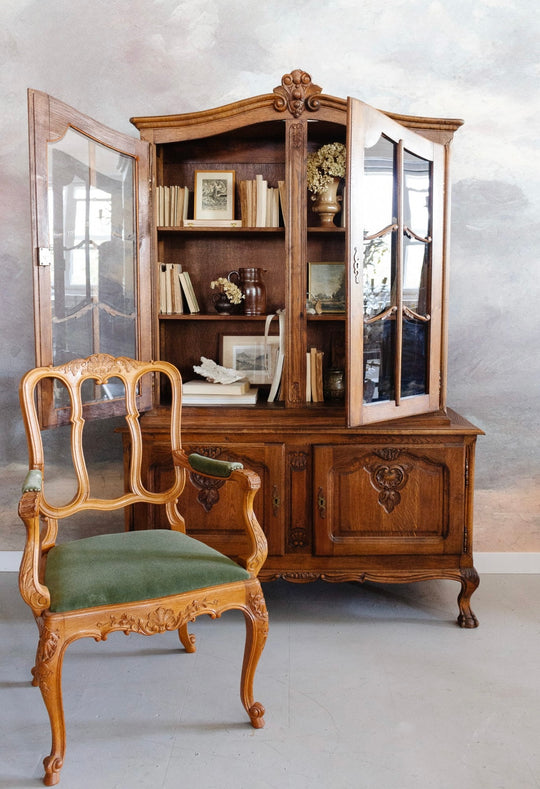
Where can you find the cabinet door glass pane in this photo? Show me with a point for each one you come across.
(379, 211)
(92, 224)
(416, 273)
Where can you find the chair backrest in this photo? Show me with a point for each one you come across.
(102, 369)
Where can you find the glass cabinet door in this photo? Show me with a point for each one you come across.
(395, 225)
(89, 191)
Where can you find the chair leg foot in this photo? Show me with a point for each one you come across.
(187, 639)
(52, 770)
(256, 715)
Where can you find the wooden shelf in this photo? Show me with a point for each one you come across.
(210, 229)
(199, 316)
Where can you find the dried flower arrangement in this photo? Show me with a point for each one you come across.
(325, 164)
(232, 291)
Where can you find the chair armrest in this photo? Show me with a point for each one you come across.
(211, 466)
(32, 481)
(249, 482)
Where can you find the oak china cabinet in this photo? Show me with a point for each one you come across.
(371, 481)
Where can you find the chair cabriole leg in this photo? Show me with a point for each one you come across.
(256, 617)
(48, 676)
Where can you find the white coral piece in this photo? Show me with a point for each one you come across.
(215, 373)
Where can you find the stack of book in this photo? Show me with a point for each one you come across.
(199, 392)
(171, 205)
(259, 203)
(173, 284)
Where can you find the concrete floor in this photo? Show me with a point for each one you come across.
(366, 687)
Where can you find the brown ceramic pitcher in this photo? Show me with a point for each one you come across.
(250, 282)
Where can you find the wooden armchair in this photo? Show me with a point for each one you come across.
(140, 581)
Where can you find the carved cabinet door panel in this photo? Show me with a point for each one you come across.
(208, 505)
(373, 499)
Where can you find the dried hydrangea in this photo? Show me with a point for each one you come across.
(232, 291)
(325, 164)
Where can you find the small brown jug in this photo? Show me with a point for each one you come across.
(249, 280)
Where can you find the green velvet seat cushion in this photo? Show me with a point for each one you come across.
(131, 566)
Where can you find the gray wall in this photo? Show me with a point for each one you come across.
(469, 59)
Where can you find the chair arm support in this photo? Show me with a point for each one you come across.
(249, 482)
(34, 593)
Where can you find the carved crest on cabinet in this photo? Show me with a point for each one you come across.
(388, 478)
(296, 93)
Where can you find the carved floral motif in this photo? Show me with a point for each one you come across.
(99, 366)
(296, 135)
(49, 641)
(296, 93)
(298, 461)
(388, 478)
(298, 537)
(158, 620)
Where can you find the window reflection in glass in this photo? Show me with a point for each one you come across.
(379, 209)
(92, 222)
(416, 273)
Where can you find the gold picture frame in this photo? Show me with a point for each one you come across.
(326, 286)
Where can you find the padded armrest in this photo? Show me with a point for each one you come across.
(216, 468)
(32, 481)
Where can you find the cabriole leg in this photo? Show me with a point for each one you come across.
(48, 676)
(187, 639)
(256, 616)
(469, 583)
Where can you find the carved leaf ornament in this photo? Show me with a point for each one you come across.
(389, 478)
(296, 93)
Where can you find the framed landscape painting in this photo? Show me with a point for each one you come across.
(254, 356)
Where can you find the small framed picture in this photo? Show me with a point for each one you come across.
(254, 356)
(214, 194)
(326, 287)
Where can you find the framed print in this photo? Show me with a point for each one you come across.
(253, 356)
(214, 194)
(326, 286)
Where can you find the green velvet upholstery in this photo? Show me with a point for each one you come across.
(32, 481)
(217, 468)
(130, 566)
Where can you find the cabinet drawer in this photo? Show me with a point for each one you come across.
(373, 499)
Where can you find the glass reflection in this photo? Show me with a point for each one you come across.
(416, 219)
(416, 273)
(379, 210)
(92, 224)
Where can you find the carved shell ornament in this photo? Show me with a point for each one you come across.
(296, 93)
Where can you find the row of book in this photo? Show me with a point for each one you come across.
(259, 206)
(172, 206)
(260, 203)
(176, 294)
